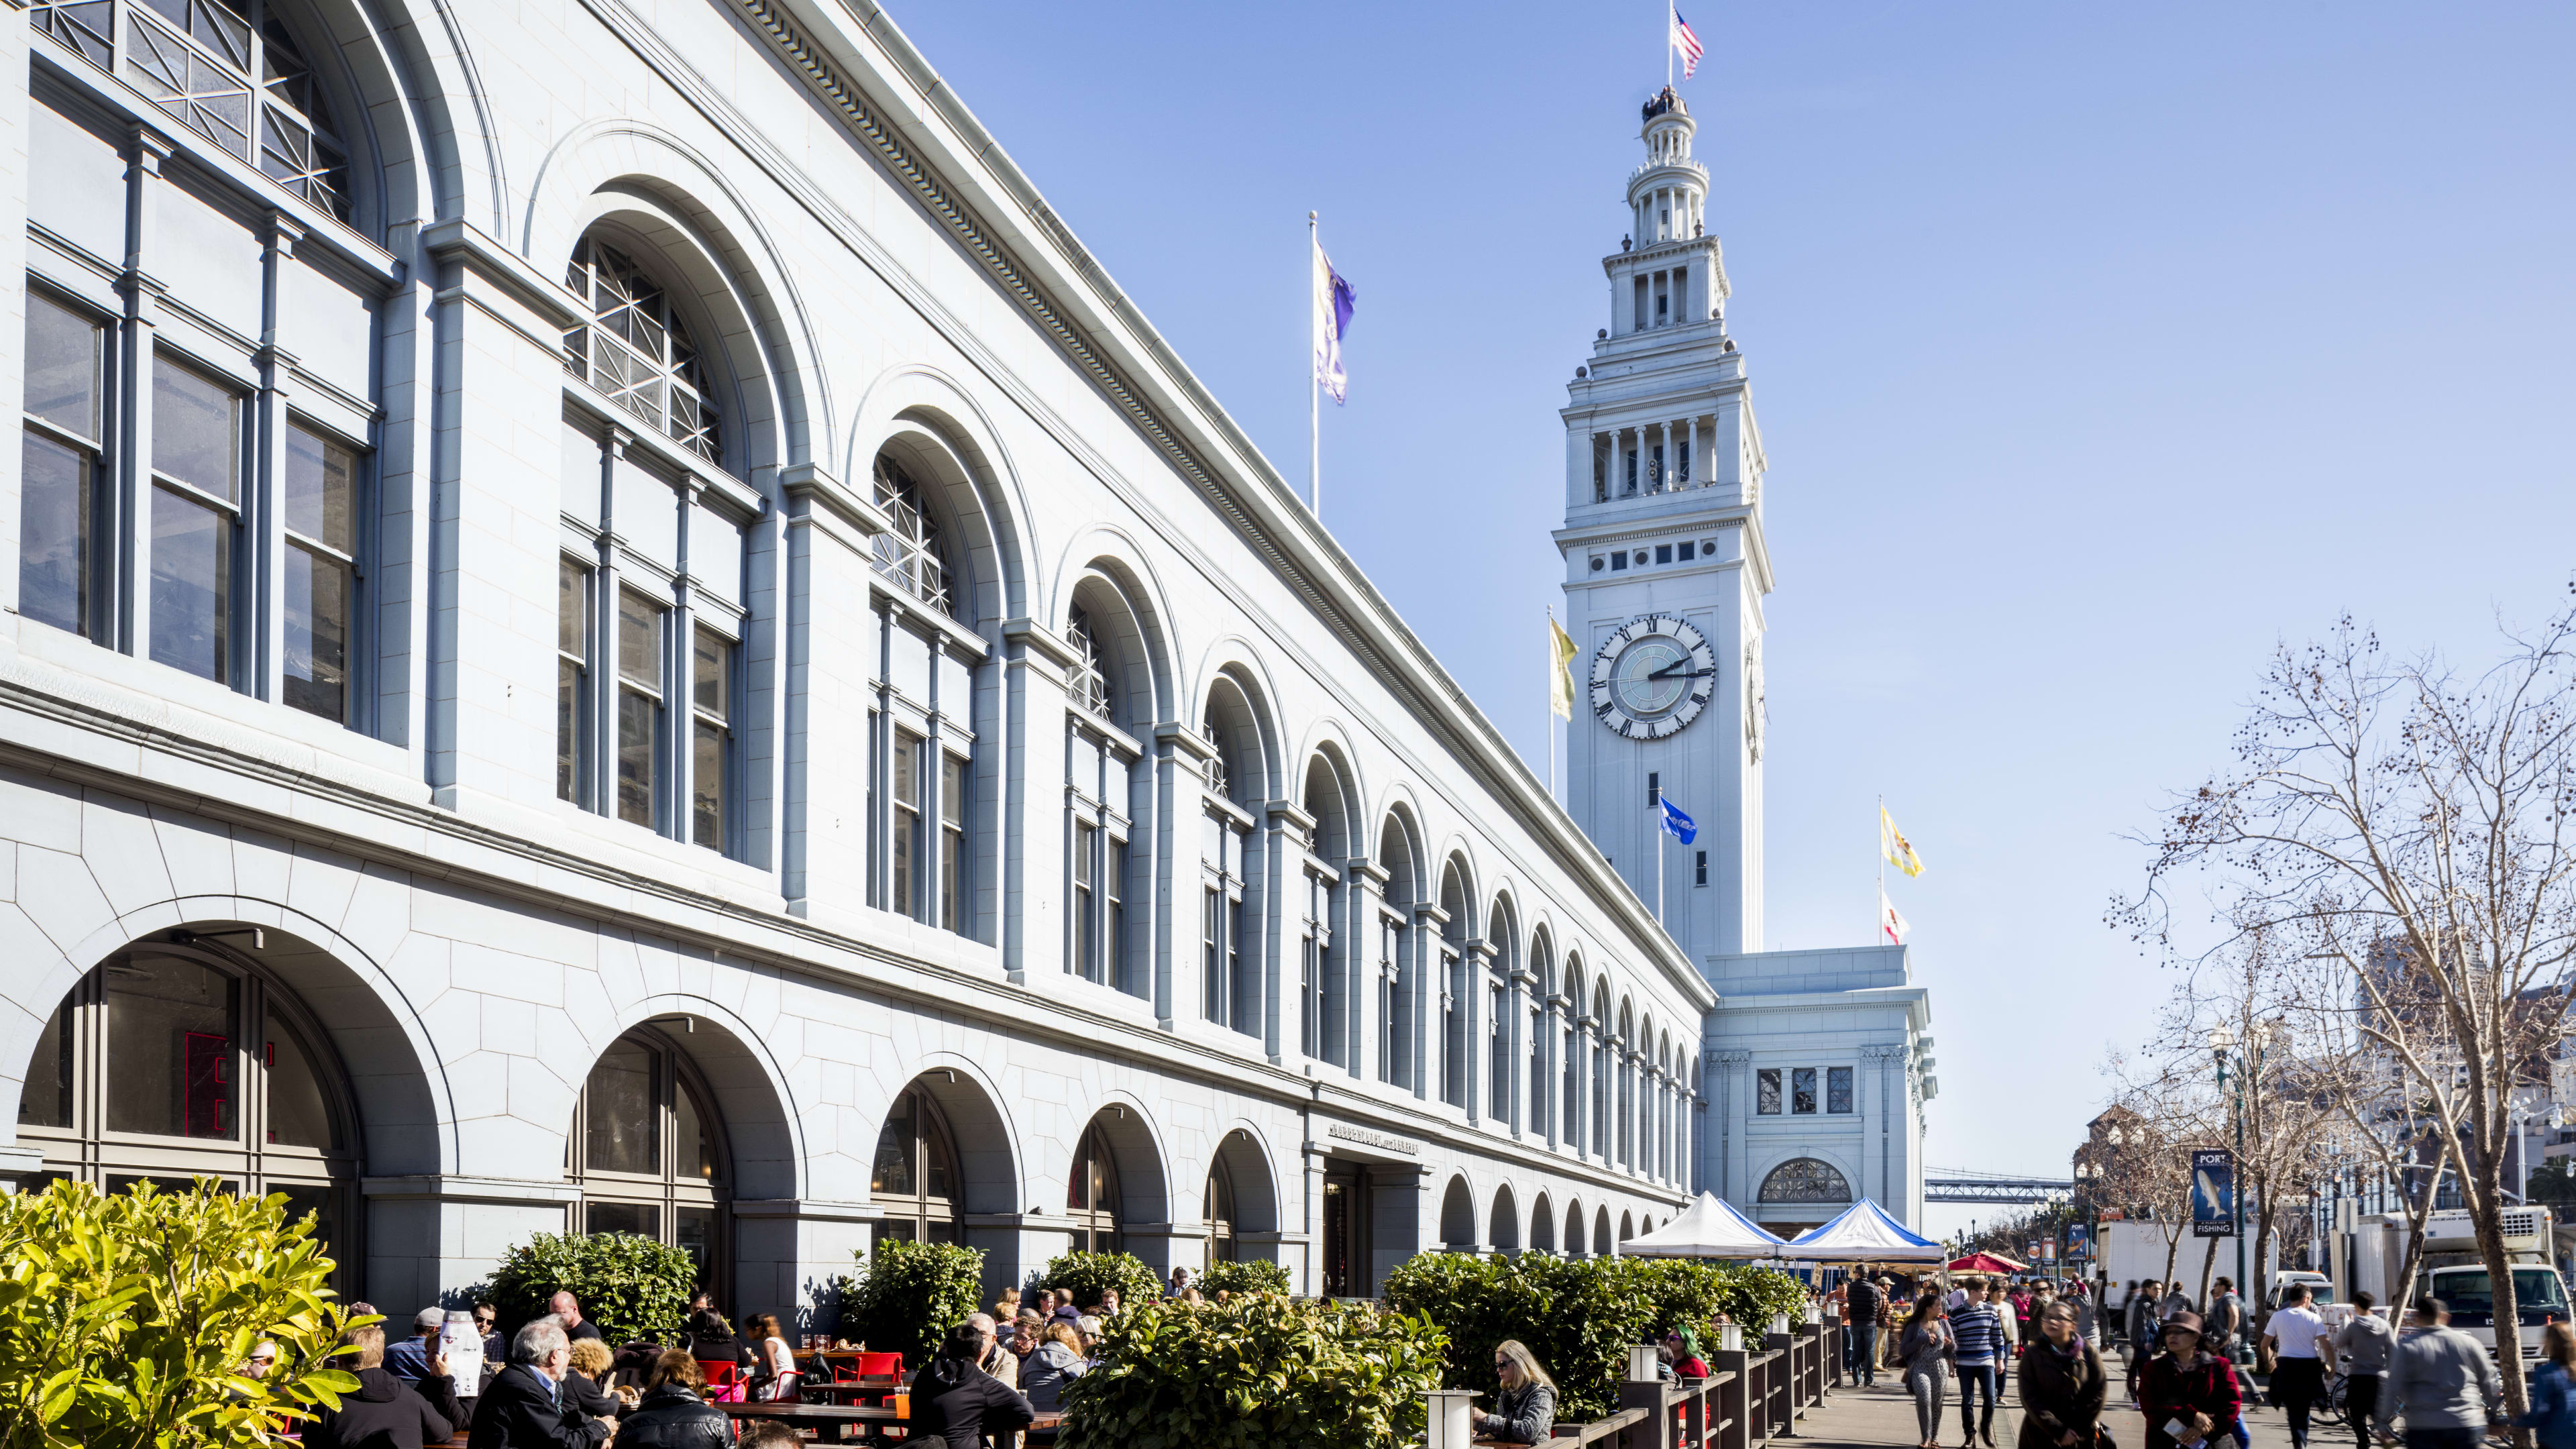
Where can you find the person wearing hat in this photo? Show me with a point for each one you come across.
(2187, 1395)
(409, 1359)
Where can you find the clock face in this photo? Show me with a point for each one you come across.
(1652, 677)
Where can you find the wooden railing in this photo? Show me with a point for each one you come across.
(1750, 1398)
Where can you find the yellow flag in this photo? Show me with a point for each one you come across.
(1893, 845)
(1560, 671)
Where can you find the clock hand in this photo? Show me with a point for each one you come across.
(1674, 671)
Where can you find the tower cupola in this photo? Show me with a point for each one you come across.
(1668, 194)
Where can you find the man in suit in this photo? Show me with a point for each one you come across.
(526, 1408)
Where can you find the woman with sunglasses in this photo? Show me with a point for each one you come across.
(1527, 1404)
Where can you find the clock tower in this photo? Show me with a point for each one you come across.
(1665, 565)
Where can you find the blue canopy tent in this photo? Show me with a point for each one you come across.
(1864, 1233)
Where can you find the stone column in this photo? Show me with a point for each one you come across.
(1475, 955)
(1728, 1093)
(1028, 770)
(1516, 1048)
(1879, 1119)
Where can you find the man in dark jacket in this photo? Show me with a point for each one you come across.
(385, 1413)
(1860, 1310)
(525, 1408)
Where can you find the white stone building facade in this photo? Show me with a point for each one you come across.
(959, 791)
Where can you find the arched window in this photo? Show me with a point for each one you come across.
(1500, 951)
(911, 554)
(1571, 1068)
(1229, 959)
(922, 736)
(1394, 1004)
(637, 349)
(244, 501)
(914, 1182)
(648, 1153)
(1327, 1004)
(1091, 1197)
(196, 59)
(1457, 1005)
(1218, 1211)
(1102, 796)
(177, 1058)
(1805, 1179)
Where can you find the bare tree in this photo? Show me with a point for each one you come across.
(2410, 824)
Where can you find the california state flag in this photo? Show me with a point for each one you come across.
(1890, 921)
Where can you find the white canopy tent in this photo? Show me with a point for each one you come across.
(1708, 1228)
(1864, 1233)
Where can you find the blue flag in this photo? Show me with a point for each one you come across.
(1677, 825)
(1334, 302)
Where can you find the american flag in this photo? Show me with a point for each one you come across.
(1685, 40)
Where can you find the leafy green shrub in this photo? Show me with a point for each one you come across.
(1087, 1273)
(122, 1318)
(1578, 1317)
(1253, 1276)
(1260, 1370)
(1752, 1296)
(908, 1295)
(630, 1285)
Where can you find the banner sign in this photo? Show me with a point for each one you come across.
(2213, 1192)
(2079, 1240)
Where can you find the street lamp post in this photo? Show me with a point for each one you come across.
(2223, 1047)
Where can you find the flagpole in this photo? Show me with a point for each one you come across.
(1314, 401)
(1670, 6)
(1552, 667)
(1882, 862)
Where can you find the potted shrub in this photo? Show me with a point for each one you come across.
(631, 1286)
(908, 1295)
(1088, 1273)
(1258, 1372)
(124, 1319)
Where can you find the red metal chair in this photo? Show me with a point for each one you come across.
(724, 1380)
(875, 1365)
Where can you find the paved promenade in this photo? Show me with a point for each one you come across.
(1873, 1418)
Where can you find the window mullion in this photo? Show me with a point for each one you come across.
(125, 542)
(264, 483)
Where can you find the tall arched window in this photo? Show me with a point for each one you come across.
(1326, 1009)
(1217, 1209)
(1091, 1196)
(915, 1179)
(1101, 794)
(1229, 958)
(1573, 1067)
(177, 1058)
(243, 502)
(1394, 985)
(638, 351)
(648, 1153)
(922, 729)
(1457, 1004)
(651, 608)
(1501, 953)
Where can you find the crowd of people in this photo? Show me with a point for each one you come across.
(556, 1383)
(2186, 1369)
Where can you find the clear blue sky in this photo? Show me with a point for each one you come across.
(2095, 350)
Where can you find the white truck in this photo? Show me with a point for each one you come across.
(2453, 1272)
